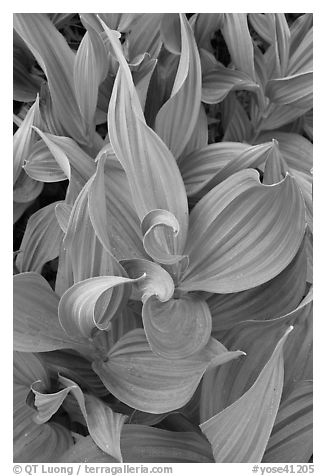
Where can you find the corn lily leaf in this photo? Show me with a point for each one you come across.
(281, 114)
(291, 438)
(23, 140)
(176, 120)
(33, 442)
(257, 339)
(309, 252)
(26, 189)
(238, 127)
(62, 212)
(225, 265)
(178, 328)
(295, 90)
(143, 153)
(42, 166)
(57, 61)
(259, 303)
(36, 325)
(281, 43)
(156, 280)
(275, 166)
(76, 164)
(240, 433)
(301, 48)
(145, 444)
(75, 367)
(235, 31)
(41, 240)
(199, 137)
(19, 208)
(163, 251)
(103, 424)
(219, 82)
(87, 256)
(262, 23)
(150, 383)
(65, 278)
(144, 36)
(113, 217)
(200, 166)
(204, 26)
(87, 305)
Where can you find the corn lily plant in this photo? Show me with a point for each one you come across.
(178, 327)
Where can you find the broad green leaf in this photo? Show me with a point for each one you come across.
(147, 382)
(41, 240)
(260, 303)
(62, 212)
(19, 208)
(245, 244)
(87, 256)
(219, 82)
(57, 61)
(178, 328)
(235, 31)
(240, 433)
(36, 325)
(142, 153)
(258, 339)
(177, 118)
(291, 438)
(86, 451)
(200, 166)
(237, 126)
(301, 48)
(293, 90)
(33, 442)
(87, 305)
(280, 114)
(144, 36)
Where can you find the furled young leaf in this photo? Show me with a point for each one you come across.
(33, 442)
(275, 166)
(36, 325)
(291, 438)
(26, 189)
(87, 305)
(147, 382)
(178, 328)
(177, 118)
(245, 244)
(103, 424)
(281, 43)
(263, 25)
(204, 26)
(240, 433)
(62, 212)
(57, 61)
(41, 240)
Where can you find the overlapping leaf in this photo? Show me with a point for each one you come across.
(240, 433)
(147, 382)
(246, 244)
